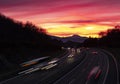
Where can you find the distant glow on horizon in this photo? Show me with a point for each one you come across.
(92, 31)
(89, 28)
(65, 17)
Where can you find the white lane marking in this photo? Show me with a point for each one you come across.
(11, 79)
(107, 68)
(106, 71)
(70, 71)
(71, 81)
(25, 74)
(115, 65)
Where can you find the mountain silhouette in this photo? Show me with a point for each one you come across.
(73, 38)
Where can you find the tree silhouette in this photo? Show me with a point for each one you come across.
(110, 38)
(17, 39)
(102, 33)
(14, 32)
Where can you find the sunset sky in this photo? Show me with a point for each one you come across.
(65, 17)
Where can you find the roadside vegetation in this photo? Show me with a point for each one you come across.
(20, 42)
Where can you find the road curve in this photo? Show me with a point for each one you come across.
(75, 70)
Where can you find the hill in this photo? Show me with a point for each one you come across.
(20, 42)
(73, 38)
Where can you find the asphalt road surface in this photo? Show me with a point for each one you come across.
(74, 68)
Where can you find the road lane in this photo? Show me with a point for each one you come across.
(23, 78)
(80, 73)
(71, 70)
(66, 79)
(113, 74)
(65, 69)
(40, 75)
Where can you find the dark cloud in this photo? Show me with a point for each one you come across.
(75, 21)
(45, 6)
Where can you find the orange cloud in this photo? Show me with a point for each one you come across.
(85, 30)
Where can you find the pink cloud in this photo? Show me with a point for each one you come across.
(95, 10)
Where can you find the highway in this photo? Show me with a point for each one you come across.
(75, 68)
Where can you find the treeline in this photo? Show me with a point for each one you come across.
(15, 34)
(23, 41)
(109, 38)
